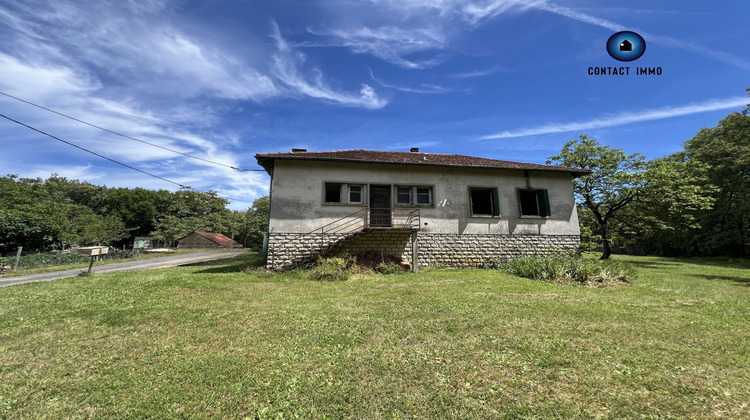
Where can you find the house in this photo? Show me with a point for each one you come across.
(426, 208)
(202, 240)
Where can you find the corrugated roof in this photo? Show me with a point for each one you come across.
(266, 160)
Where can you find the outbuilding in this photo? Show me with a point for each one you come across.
(203, 240)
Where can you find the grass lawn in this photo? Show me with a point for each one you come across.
(213, 341)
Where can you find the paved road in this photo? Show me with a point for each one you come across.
(163, 262)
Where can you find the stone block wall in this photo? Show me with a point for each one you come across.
(445, 250)
(285, 250)
(395, 243)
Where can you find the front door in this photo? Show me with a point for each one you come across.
(380, 205)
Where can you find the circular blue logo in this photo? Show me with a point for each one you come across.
(626, 46)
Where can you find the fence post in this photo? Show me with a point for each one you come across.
(18, 258)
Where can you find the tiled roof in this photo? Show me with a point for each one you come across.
(218, 238)
(266, 160)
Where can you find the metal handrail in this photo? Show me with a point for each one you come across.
(411, 220)
(394, 218)
(348, 223)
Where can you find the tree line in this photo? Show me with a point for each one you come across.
(48, 214)
(693, 202)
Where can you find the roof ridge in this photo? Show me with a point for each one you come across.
(411, 158)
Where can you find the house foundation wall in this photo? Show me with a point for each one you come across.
(285, 250)
(394, 243)
(433, 249)
(447, 250)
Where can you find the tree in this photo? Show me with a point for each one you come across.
(189, 211)
(665, 217)
(614, 182)
(725, 151)
(254, 224)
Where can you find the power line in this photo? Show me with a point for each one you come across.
(112, 160)
(129, 137)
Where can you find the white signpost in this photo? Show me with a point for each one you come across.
(93, 251)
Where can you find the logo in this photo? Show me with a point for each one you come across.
(626, 46)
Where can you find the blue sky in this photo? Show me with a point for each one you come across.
(224, 80)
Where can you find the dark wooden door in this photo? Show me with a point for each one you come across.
(380, 206)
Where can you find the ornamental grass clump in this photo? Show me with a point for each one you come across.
(564, 269)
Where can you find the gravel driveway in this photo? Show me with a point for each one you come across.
(163, 262)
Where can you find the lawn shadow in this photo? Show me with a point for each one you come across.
(653, 264)
(741, 263)
(744, 281)
(228, 265)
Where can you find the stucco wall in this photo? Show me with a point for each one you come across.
(297, 197)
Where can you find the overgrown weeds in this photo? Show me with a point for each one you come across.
(566, 269)
(333, 268)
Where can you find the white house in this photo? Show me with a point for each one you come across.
(427, 208)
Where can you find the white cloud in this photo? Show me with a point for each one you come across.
(477, 13)
(664, 40)
(423, 89)
(623, 118)
(286, 70)
(390, 43)
(476, 73)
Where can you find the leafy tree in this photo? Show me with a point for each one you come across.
(614, 182)
(254, 223)
(665, 217)
(725, 151)
(189, 211)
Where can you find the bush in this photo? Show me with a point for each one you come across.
(389, 268)
(332, 268)
(562, 269)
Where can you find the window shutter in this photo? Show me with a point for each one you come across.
(543, 197)
(495, 203)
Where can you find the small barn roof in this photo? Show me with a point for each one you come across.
(217, 238)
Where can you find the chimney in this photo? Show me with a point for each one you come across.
(298, 150)
(415, 149)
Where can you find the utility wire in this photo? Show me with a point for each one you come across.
(129, 137)
(110, 159)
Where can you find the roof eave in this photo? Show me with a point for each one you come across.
(267, 162)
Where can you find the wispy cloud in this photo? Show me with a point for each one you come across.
(389, 43)
(472, 12)
(423, 89)
(476, 73)
(477, 13)
(664, 40)
(623, 118)
(285, 69)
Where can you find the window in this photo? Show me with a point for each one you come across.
(333, 192)
(355, 193)
(424, 196)
(534, 203)
(403, 195)
(342, 193)
(413, 195)
(484, 201)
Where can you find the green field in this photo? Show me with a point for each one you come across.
(213, 341)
